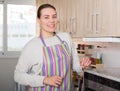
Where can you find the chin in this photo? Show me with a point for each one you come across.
(53, 30)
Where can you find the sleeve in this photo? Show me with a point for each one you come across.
(21, 73)
(75, 57)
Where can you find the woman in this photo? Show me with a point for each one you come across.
(46, 62)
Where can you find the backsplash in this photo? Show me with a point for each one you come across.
(110, 51)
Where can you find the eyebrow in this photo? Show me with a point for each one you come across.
(53, 14)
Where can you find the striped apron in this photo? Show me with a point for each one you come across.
(56, 61)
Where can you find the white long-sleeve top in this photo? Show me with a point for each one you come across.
(31, 59)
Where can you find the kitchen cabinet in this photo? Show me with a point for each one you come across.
(102, 18)
(89, 7)
(63, 15)
(80, 17)
(39, 2)
(69, 14)
(71, 17)
(75, 17)
(116, 17)
(87, 18)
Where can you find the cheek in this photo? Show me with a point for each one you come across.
(56, 20)
(43, 23)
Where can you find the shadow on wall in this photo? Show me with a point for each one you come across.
(7, 67)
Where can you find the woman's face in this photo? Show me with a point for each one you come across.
(48, 20)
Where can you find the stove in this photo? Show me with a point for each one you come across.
(107, 79)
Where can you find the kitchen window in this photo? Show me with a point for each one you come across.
(1, 25)
(17, 25)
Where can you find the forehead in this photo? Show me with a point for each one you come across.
(48, 11)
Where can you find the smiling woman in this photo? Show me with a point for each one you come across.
(47, 60)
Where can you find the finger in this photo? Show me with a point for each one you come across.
(85, 62)
(87, 66)
(59, 77)
(58, 83)
(59, 80)
(81, 63)
(54, 84)
(88, 63)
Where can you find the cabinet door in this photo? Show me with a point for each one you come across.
(71, 17)
(116, 17)
(39, 2)
(56, 4)
(102, 18)
(75, 17)
(105, 15)
(89, 16)
(80, 16)
(62, 15)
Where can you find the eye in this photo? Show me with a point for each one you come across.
(46, 17)
(55, 16)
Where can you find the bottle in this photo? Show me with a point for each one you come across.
(89, 50)
(97, 55)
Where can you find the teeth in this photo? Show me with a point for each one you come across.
(51, 25)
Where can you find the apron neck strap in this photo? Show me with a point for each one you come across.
(59, 38)
(42, 39)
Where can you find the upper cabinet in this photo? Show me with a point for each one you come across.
(102, 18)
(75, 17)
(70, 20)
(87, 18)
(116, 18)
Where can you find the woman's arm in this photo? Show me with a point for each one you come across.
(29, 66)
(78, 63)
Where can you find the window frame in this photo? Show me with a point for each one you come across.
(5, 53)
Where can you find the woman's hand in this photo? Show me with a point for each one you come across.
(85, 62)
(53, 81)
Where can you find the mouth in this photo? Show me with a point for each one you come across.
(51, 26)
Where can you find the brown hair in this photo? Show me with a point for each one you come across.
(42, 7)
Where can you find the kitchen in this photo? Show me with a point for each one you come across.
(96, 20)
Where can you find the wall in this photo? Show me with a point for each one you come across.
(111, 55)
(111, 52)
(7, 66)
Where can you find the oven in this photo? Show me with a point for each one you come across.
(93, 82)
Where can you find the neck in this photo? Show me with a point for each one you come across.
(47, 34)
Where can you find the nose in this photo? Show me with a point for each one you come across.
(52, 19)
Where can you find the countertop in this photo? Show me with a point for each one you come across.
(108, 72)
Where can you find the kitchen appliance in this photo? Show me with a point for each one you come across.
(107, 79)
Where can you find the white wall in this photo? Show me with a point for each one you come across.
(111, 52)
(7, 66)
(111, 57)
(31, 2)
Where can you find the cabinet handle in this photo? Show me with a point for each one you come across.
(72, 25)
(97, 14)
(92, 23)
(96, 30)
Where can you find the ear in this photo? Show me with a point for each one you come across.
(38, 20)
